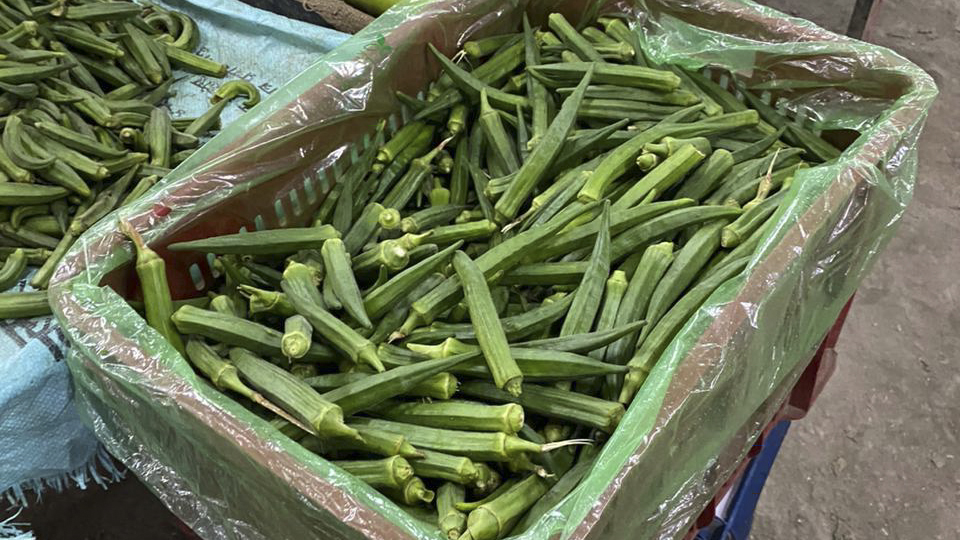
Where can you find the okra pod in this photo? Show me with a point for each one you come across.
(363, 229)
(13, 269)
(572, 39)
(297, 337)
(683, 270)
(707, 176)
(621, 221)
(494, 519)
(462, 232)
(663, 177)
(587, 297)
(490, 333)
(554, 403)
(238, 332)
(666, 328)
(270, 242)
(291, 394)
(653, 265)
(302, 292)
(674, 221)
(452, 522)
(542, 155)
(476, 445)
(463, 415)
(384, 297)
(413, 492)
(471, 86)
(392, 472)
(225, 376)
(21, 305)
(369, 391)
(442, 466)
(151, 269)
(336, 261)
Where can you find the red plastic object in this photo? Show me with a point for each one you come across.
(797, 405)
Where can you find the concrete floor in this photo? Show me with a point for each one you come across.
(878, 456)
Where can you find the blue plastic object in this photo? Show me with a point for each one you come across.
(737, 520)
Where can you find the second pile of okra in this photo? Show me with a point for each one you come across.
(485, 290)
(83, 124)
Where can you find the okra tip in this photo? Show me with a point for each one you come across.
(368, 356)
(409, 451)
(631, 385)
(514, 386)
(729, 237)
(333, 426)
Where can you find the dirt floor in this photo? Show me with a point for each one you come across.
(878, 456)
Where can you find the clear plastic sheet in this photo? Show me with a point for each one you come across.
(227, 474)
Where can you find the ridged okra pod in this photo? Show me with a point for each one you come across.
(158, 303)
(292, 394)
(300, 288)
(490, 333)
(463, 415)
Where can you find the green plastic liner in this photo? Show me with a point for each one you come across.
(228, 474)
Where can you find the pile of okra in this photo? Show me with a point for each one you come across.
(482, 293)
(84, 129)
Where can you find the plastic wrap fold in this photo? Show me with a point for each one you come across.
(228, 474)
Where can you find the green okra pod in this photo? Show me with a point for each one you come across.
(452, 522)
(382, 298)
(707, 176)
(222, 303)
(297, 337)
(194, 63)
(587, 297)
(431, 217)
(414, 492)
(490, 333)
(572, 39)
(392, 472)
(238, 332)
(683, 270)
(151, 269)
(567, 482)
(363, 229)
(554, 403)
(627, 241)
(752, 219)
(463, 415)
(264, 301)
(445, 467)
(472, 86)
(621, 221)
(663, 177)
(462, 232)
(269, 242)
(653, 265)
(494, 519)
(542, 155)
(291, 394)
(13, 268)
(336, 261)
(666, 328)
(20, 305)
(225, 376)
(301, 289)
(370, 391)
(389, 254)
(496, 135)
(476, 445)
